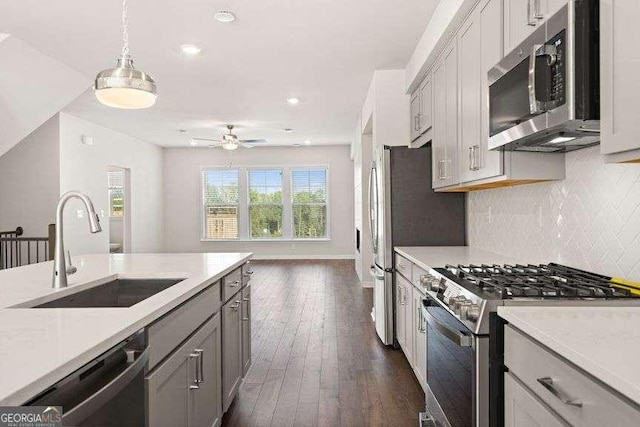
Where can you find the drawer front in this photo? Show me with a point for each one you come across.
(575, 396)
(231, 284)
(168, 332)
(403, 266)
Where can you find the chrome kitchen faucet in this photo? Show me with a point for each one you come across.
(60, 270)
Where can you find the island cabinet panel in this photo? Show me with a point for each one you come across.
(522, 409)
(246, 329)
(562, 388)
(205, 405)
(231, 284)
(169, 331)
(184, 390)
(231, 349)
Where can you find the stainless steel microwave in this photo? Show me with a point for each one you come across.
(544, 96)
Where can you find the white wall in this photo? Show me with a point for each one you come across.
(182, 199)
(591, 220)
(30, 181)
(33, 88)
(84, 168)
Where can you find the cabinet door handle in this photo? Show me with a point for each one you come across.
(530, 19)
(246, 319)
(442, 164)
(471, 167)
(476, 158)
(547, 382)
(537, 13)
(421, 326)
(419, 121)
(200, 353)
(194, 386)
(416, 126)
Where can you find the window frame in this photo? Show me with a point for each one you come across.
(244, 226)
(283, 192)
(203, 206)
(110, 188)
(326, 202)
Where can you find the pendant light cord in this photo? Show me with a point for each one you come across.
(125, 30)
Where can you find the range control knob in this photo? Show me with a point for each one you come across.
(473, 312)
(435, 285)
(425, 280)
(456, 302)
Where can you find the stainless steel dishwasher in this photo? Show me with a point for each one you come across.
(108, 391)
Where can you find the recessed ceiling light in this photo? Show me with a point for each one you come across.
(288, 130)
(190, 49)
(225, 16)
(193, 142)
(293, 101)
(307, 141)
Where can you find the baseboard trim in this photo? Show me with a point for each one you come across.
(301, 257)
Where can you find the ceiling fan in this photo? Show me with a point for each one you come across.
(230, 141)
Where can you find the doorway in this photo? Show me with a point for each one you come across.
(119, 209)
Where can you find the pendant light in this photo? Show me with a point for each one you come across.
(124, 86)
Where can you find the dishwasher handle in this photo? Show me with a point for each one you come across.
(88, 406)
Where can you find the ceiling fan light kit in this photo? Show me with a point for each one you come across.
(124, 86)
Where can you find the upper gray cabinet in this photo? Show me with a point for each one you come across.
(421, 113)
(619, 83)
(522, 17)
(480, 46)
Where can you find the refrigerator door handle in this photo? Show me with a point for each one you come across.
(374, 272)
(373, 207)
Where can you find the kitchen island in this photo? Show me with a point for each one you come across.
(40, 346)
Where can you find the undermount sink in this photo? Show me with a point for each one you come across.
(117, 293)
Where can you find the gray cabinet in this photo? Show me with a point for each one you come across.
(246, 329)
(419, 332)
(559, 387)
(480, 48)
(522, 409)
(421, 113)
(231, 349)
(619, 83)
(522, 17)
(414, 108)
(445, 118)
(205, 402)
(401, 291)
(184, 390)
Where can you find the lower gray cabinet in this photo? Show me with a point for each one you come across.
(231, 349)
(246, 329)
(184, 390)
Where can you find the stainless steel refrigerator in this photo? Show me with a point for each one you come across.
(405, 211)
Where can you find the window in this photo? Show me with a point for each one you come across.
(309, 188)
(221, 189)
(116, 193)
(265, 203)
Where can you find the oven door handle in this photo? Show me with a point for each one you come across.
(456, 337)
(80, 412)
(550, 51)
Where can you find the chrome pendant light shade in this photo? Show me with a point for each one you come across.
(124, 86)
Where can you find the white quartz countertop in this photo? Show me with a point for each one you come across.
(39, 347)
(603, 341)
(439, 256)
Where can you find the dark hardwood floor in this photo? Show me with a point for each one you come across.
(316, 357)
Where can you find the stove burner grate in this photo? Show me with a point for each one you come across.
(538, 281)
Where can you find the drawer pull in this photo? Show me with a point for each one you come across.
(235, 284)
(547, 382)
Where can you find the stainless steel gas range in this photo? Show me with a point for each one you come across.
(464, 333)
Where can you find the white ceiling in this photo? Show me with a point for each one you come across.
(321, 51)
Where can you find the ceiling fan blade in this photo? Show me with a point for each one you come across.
(206, 140)
(253, 141)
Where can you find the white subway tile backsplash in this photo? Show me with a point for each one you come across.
(591, 220)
